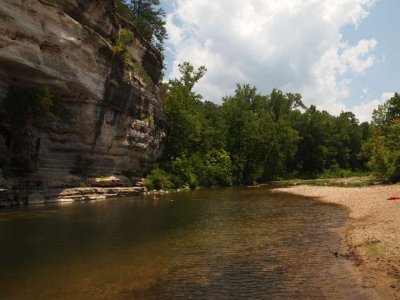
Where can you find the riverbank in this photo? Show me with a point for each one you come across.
(61, 189)
(373, 234)
(354, 181)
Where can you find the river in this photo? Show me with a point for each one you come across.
(220, 244)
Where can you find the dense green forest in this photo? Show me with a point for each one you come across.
(253, 138)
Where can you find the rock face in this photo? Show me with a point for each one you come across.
(116, 116)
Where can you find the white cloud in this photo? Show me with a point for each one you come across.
(386, 96)
(357, 58)
(364, 110)
(294, 45)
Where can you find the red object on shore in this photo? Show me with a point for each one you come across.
(394, 198)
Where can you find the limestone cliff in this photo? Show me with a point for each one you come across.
(67, 45)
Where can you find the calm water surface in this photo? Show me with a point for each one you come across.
(228, 244)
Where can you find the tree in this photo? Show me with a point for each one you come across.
(261, 141)
(394, 107)
(253, 137)
(148, 17)
(383, 146)
(282, 105)
(183, 110)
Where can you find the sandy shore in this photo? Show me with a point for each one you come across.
(373, 233)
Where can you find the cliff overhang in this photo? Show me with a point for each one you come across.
(115, 113)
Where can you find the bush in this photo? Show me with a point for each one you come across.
(394, 170)
(336, 172)
(183, 172)
(114, 83)
(139, 69)
(151, 121)
(218, 169)
(158, 180)
(125, 37)
(385, 156)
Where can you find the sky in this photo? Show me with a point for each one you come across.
(339, 55)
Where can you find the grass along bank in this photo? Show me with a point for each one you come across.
(356, 181)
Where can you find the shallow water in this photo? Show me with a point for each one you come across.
(227, 244)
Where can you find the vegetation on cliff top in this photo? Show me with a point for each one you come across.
(148, 18)
(252, 138)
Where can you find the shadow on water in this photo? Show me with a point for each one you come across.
(225, 244)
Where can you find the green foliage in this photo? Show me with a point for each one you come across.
(328, 142)
(148, 17)
(125, 38)
(386, 113)
(336, 172)
(379, 162)
(259, 137)
(184, 170)
(82, 184)
(183, 111)
(123, 9)
(151, 121)
(113, 83)
(194, 153)
(141, 71)
(334, 181)
(383, 147)
(189, 76)
(158, 180)
(217, 169)
(253, 138)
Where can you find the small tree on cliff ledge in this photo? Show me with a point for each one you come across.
(148, 17)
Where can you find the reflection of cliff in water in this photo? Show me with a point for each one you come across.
(228, 244)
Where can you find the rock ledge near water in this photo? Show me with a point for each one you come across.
(32, 192)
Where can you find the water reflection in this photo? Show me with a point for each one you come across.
(230, 244)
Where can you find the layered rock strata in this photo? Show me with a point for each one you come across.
(116, 120)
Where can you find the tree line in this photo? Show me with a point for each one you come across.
(252, 138)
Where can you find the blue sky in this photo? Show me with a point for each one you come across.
(383, 25)
(340, 55)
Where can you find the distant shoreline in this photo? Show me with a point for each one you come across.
(373, 233)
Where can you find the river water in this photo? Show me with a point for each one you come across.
(225, 244)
